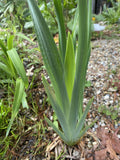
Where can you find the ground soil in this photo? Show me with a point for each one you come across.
(38, 141)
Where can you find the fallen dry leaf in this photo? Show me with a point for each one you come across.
(110, 142)
(111, 150)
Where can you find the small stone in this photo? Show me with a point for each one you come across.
(95, 125)
(51, 118)
(75, 153)
(110, 76)
(111, 102)
(98, 92)
(103, 124)
(106, 97)
(89, 145)
(54, 135)
(95, 143)
(118, 136)
(106, 128)
(87, 139)
(40, 101)
(93, 129)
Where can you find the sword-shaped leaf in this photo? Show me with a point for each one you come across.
(51, 56)
(61, 26)
(69, 66)
(60, 115)
(81, 121)
(61, 134)
(81, 62)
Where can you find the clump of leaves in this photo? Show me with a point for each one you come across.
(66, 68)
(12, 66)
(109, 111)
(112, 15)
(4, 114)
(98, 18)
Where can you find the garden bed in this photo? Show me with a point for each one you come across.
(36, 140)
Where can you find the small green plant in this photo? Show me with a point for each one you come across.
(88, 84)
(97, 18)
(4, 114)
(109, 111)
(13, 68)
(13, 12)
(112, 15)
(66, 68)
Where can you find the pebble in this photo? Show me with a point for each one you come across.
(95, 125)
(89, 144)
(51, 118)
(93, 129)
(103, 124)
(111, 76)
(40, 101)
(106, 97)
(98, 92)
(54, 135)
(118, 136)
(95, 143)
(111, 102)
(75, 153)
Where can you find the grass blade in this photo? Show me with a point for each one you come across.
(6, 69)
(24, 101)
(18, 65)
(3, 47)
(24, 37)
(10, 42)
(19, 90)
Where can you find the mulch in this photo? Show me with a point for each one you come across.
(102, 141)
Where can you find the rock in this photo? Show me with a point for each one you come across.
(118, 136)
(75, 153)
(40, 101)
(106, 97)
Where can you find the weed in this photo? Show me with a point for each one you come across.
(109, 111)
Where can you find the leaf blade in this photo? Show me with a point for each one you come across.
(69, 66)
(60, 115)
(61, 26)
(81, 62)
(18, 65)
(51, 57)
(19, 90)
